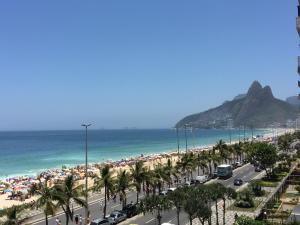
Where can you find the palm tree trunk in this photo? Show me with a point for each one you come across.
(224, 210)
(178, 220)
(191, 221)
(46, 218)
(198, 170)
(105, 195)
(67, 219)
(158, 217)
(137, 197)
(217, 214)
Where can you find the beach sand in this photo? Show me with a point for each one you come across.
(149, 161)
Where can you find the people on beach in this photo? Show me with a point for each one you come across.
(56, 221)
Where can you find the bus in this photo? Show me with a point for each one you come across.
(224, 171)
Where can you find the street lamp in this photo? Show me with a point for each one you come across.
(186, 143)
(86, 175)
(177, 140)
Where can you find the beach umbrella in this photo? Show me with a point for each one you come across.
(8, 191)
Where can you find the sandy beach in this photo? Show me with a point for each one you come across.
(23, 184)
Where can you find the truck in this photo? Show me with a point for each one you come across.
(224, 171)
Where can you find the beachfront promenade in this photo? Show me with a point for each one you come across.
(246, 173)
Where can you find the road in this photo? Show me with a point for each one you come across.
(246, 173)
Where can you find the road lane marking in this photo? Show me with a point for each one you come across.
(150, 221)
(113, 207)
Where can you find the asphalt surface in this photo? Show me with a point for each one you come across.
(246, 173)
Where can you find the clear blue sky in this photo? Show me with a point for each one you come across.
(142, 64)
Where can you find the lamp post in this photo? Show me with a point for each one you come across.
(86, 175)
(186, 143)
(177, 141)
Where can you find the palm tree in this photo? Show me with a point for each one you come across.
(222, 149)
(203, 212)
(190, 203)
(216, 193)
(105, 180)
(228, 193)
(122, 184)
(159, 176)
(155, 204)
(12, 217)
(46, 200)
(187, 164)
(168, 171)
(177, 198)
(138, 175)
(66, 193)
(201, 162)
(238, 148)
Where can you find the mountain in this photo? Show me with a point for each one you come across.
(240, 96)
(258, 108)
(294, 101)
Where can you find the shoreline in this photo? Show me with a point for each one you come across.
(60, 173)
(35, 173)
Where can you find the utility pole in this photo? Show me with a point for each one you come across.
(86, 175)
(178, 147)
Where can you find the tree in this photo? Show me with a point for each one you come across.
(216, 191)
(201, 162)
(155, 204)
(12, 217)
(138, 175)
(46, 200)
(227, 193)
(177, 197)
(203, 212)
(265, 154)
(243, 220)
(298, 188)
(222, 149)
(190, 203)
(168, 171)
(105, 180)
(66, 193)
(122, 184)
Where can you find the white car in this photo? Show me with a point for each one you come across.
(202, 179)
(171, 189)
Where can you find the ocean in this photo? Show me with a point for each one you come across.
(30, 152)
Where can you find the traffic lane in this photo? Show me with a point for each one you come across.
(246, 173)
(96, 210)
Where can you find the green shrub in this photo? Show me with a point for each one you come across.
(245, 199)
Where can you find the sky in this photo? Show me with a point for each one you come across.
(133, 63)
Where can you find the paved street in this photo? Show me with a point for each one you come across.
(246, 173)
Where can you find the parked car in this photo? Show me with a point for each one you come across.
(117, 217)
(258, 169)
(171, 189)
(101, 222)
(130, 210)
(202, 179)
(238, 182)
(163, 193)
(238, 164)
(187, 183)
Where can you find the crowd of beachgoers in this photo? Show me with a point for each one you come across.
(17, 190)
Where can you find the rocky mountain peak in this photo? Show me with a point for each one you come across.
(254, 89)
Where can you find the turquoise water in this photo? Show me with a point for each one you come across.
(27, 153)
